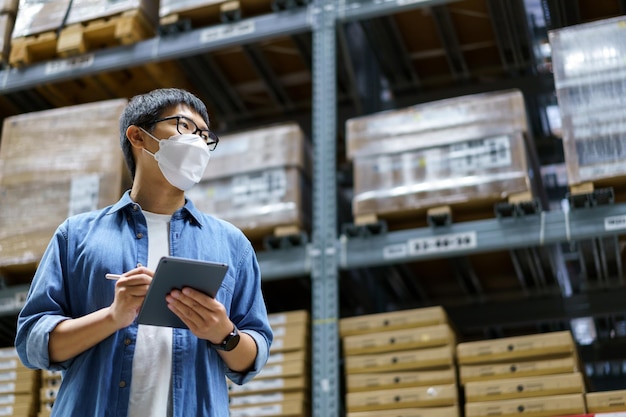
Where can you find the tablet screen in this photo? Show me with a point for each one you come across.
(174, 272)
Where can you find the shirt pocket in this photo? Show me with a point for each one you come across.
(225, 293)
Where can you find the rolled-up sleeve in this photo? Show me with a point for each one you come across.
(42, 310)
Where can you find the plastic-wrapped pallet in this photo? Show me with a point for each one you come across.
(259, 180)
(590, 81)
(56, 163)
(466, 150)
(400, 360)
(282, 388)
(38, 16)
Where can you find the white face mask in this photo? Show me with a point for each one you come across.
(182, 159)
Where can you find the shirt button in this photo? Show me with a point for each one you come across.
(135, 207)
(122, 384)
(139, 265)
(127, 342)
(139, 235)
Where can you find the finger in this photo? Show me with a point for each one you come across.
(187, 314)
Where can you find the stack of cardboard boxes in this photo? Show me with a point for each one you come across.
(400, 363)
(19, 386)
(532, 375)
(53, 164)
(50, 383)
(259, 180)
(282, 388)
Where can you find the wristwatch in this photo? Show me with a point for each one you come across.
(230, 341)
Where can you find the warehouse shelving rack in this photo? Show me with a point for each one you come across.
(330, 251)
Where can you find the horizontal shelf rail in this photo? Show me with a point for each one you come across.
(482, 236)
(159, 48)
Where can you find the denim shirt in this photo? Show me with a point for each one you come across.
(70, 283)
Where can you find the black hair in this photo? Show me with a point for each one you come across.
(143, 109)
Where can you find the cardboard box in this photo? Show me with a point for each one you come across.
(436, 123)
(29, 383)
(392, 380)
(275, 397)
(400, 361)
(281, 409)
(534, 386)
(449, 411)
(404, 319)
(261, 386)
(606, 402)
(284, 369)
(292, 355)
(546, 366)
(557, 405)
(289, 317)
(51, 169)
(519, 347)
(276, 146)
(432, 396)
(403, 339)
(257, 202)
(290, 337)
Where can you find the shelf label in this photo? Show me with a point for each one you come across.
(615, 222)
(444, 243)
(69, 64)
(433, 244)
(226, 31)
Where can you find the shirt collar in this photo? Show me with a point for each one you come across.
(188, 210)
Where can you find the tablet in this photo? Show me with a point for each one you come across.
(174, 272)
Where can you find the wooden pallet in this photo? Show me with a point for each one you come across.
(120, 29)
(35, 48)
(442, 215)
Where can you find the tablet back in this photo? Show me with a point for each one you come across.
(174, 272)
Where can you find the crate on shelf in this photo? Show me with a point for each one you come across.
(44, 181)
(259, 180)
(590, 80)
(463, 155)
(43, 31)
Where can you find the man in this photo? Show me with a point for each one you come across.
(77, 321)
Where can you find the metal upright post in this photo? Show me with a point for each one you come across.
(324, 267)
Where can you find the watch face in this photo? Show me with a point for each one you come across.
(232, 340)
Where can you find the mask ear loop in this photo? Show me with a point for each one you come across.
(152, 136)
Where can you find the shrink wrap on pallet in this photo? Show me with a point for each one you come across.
(56, 163)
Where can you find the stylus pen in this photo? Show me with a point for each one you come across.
(113, 276)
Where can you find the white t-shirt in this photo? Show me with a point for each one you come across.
(150, 394)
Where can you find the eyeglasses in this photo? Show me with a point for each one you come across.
(186, 126)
